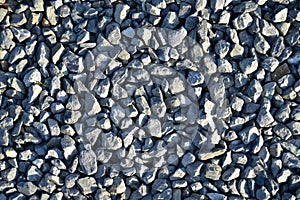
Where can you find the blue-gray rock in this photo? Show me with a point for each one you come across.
(222, 48)
(121, 11)
(88, 162)
(21, 34)
(248, 65)
(73, 62)
(262, 193)
(264, 118)
(170, 21)
(212, 171)
(270, 64)
(260, 43)
(87, 185)
(27, 188)
(242, 21)
(17, 53)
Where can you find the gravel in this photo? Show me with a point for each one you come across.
(156, 99)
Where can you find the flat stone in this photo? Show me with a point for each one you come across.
(175, 37)
(212, 154)
(88, 162)
(68, 146)
(92, 107)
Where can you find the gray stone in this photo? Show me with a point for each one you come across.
(245, 7)
(87, 185)
(4, 137)
(43, 54)
(170, 21)
(113, 33)
(248, 65)
(187, 159)
(73, 103)
(118, 186)
(42, 129)
(275, 150)
(249, 134)
(277, 47)
(120, 13)
(111, 142)
(34, 174)
(53, 126)
(71, 117)
(264, 118)
(153, 127)
(260, 44)
(92, 107)
(73, 62)
(254, 90)
(262, 193)
(194, 169)
(176, 85)
(216, 196)
(16, 54)
(27, 188)
(83, 37)
(291, 161)
(163, 53)
(295, 58)
(20, 34)
(152, 10)
(276, 166)
(38, 5)
(117, 114)
(175, 37)
(222, 48)
(88, 162)
(268, 29)
(160, 185)
(242, 21)
(284, 175)
(270, 64)
(103, 88)
(282, 131)
(213, 171)
(3, 13)
(51, 15)
(57, 52)
(68, 146)
(281, 15)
